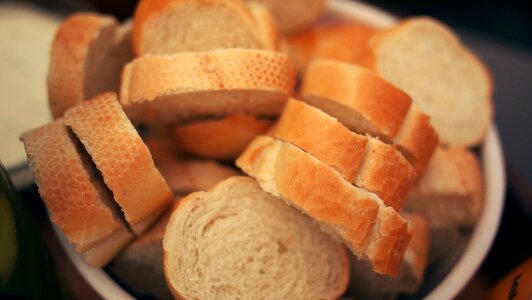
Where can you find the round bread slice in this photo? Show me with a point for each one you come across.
(172, 26)
(446, 80)
(74, 192)
(222, 139)
(238, 242)
(373, 231)
(294, 15)
(88, 54)
(266, 25)
(122, 158)
(365, 161)
(187, 86)
(367, 104)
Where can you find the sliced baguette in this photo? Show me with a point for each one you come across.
(364, 161)
(238, 242)
(446, 80)
(266, 25)
(343, 42)
(372, 231)
(368, 104)
(294, 15)
(122, 158)
(189, 176)
(450, 193)
(222, 139)
(172, 26)
(187, 86)
(74, 192)
(88, 54)
(366, 284)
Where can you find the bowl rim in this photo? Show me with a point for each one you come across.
(479, 242)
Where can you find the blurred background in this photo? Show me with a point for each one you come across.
(500, 32)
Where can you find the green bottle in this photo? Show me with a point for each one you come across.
(27, 270)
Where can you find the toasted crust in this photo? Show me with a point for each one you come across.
(367, 104)
(148, 12)
(225, 186)
(418, 249)
(122, 157)
(364, 161)
(70, 49)
(449, 91)
(222, 139)
(70, 186)
(343, 42)
(186, 86)
(358, 217)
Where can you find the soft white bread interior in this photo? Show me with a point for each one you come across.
(294, 15)
(366, 284)
(187, 86)
(122, 158)
(266, 26)
(238, 242)
(73, 190)
(140, 265)
(368, 104)
(446, 80)
(373, 231)
(222, 139)
(87, 57)
(171, 26)
(450, 193)
(365, 161)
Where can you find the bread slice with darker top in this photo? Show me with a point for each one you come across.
(73, 190)
(373, 231)
(88, 54)
(237, 241)
(122, 158)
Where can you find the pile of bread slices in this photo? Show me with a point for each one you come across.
(352, 177)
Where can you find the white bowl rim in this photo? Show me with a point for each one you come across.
(481, 238)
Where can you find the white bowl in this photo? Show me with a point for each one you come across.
(453, 273)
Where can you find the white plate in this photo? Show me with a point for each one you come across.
(447, 283)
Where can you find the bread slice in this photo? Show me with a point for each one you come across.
(140, 265)
(236, 241)
(446, 80)
(187, 86)
(187, 176)
(122, 157)
(222, 139)
(73, 190)
(366, 284)
(372, 230)
(347, 42)
(450, 193)
(364, 161)
(172, 26)
(87, 57)
(267, 27)
(368, 104)
(294, 15)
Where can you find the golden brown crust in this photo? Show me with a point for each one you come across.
(70, 187)
(378, 101)
(121, 156)
(222, 139)
(70, 49)
(321, 193)
(322, 136)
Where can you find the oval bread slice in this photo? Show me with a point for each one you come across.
(187, 86)
(446, 80)
(238, 242)
(74, 192)
(372, 230)
(122, 157)
(88, 54)
(365, 161)
(367, 104)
